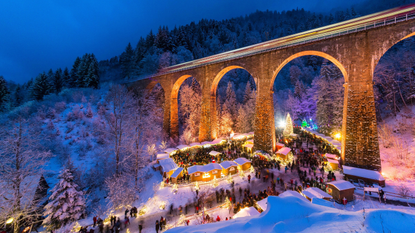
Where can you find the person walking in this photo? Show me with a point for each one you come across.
(157, 226)
(95, 220)
(140, 226)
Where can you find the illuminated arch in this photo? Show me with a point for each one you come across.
(309, 53)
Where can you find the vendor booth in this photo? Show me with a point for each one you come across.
(177, 174)
(333, 163)
(243, 163)
(367, 176)
(280, 145)
(284, 153)
(214, 153)
(311, 193)
(204, 173)
(248, 147)
(168, 166)
(162, 156)
(245, 212)
(229, 167)
(183, 147)
(170, 151)
(341, 189)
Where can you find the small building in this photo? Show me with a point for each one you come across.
(243, 163)
(245, 212)
(206, 144)
(284, 153)
(262, 204)
(204, 173)
(279, 146)
(248, 147)
(229, 167)
(331, 156)
(162, 156)
(168, 166)
(334, 163)
(195, 144)
(214, 153)
(183, 147)
(367, 176)
(177, 174)
(311, 193)
(340, 189)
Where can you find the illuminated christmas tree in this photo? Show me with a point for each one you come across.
(288, 126)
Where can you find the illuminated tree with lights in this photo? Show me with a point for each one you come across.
(288, 126)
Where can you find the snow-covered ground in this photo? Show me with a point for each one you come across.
(292, 214)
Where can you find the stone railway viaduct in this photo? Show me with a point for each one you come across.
(355, 48)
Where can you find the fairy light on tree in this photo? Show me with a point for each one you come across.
(288, 126)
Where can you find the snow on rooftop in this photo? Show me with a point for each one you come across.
(206, 143)
(249, 145)
(280, 144)
(316, 193)
(369, 174)
(170, 150)
(195, 144)
(176, 172)
(217, 141)
(333, 161)
(228, 164)
(342, 184)
(162, 156)
(207, 168)
(241, 161)
(263, 203)
(250, 140)
(331, 156)
(181, 147)
(245, 212)
(214, 153)
(290, 193)
(284, 151)
(195, 168)
(168, 164)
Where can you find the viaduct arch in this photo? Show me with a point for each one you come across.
(355, 46)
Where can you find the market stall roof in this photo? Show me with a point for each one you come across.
(168, 165)
(331, 156)
(176, 172)
(263, 203)
(214, 153)
(195, 144)
(162, 156)
(206, 143)
(181, 147)
(250, 141)
(249, 145)
(316, 193)
(241, 161)
(228, 164)
(217, 141)
(284, 151)
(333, 161)
(369, 174)
(245, 212)
(239, 136)
(290, 193)
(280, 144)
(170, 150)
(211, 166)
(342, 184)
(195, 168)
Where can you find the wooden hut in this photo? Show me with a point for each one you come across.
(311, 193)
(334, 163)
(229, 167)
(162, 156)
(195, 144)
(168, 166)
(279, 146)
(183, 147)
(205, 173)
(340, 189)
(214, 153)
(243, 163)
(367, 176)
(170, 151)
(177, 174)
(284, 153)
(248, 147)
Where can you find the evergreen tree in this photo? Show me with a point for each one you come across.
(58, 81)
(66, 78)
(230, 105)
(41, 87)
(127, 61)
(18, 96)
(288, 126)
(242, 123)
(83, 71)
(4, 92)
(51, 77)
(73, 81)
(66, 205)
(41, 192)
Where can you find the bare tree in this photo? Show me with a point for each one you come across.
(22, 160)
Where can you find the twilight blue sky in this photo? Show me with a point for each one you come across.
(38, 35)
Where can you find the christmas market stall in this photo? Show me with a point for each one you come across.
(243, 163)
(168, 166)
(248, 147)
(170, 151)
(195, 144)
(280, 145)
(247, 211)
(262, 154)
(341, 189)
(229, 167)
(204, 173)
(311, 193)
(162, 156)
(177, 174)
(183, 147)
(367, 176)
(284, 153)
(333, 163)
(214, 153)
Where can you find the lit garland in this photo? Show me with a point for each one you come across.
(143, 210)
(162, 184)
(162, 205)
(215, 182)
(197, 186)
(230, 179)
(175, 188)
(76, 227)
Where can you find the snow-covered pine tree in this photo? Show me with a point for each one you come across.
(229, 108)
(66, 77)
(58, 81)
(66, 205)
(41, 192)
(324, 99)
(250, 111)
(242, 123)
(4, 92)
(73, 79)
(288, 126)
(41, 87)
(127, 61)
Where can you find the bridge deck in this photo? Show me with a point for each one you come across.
(367, 22)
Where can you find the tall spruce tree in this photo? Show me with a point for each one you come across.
(41, 87)
(73, 81)
(127, 61)
(58, 81)
(4, 92)
(66, 204)
(41, 192)
(66, 77)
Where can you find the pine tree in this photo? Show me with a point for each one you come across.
(73, 81)
(4, 92)
(41, 192)
(58, 81)
(41, 87)
(127, 61)
(288, 126)
(230, 106)
(66, 78)
(242, 123)
(83, 71)
(66, 205)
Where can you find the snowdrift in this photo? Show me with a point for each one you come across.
(292, 214)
